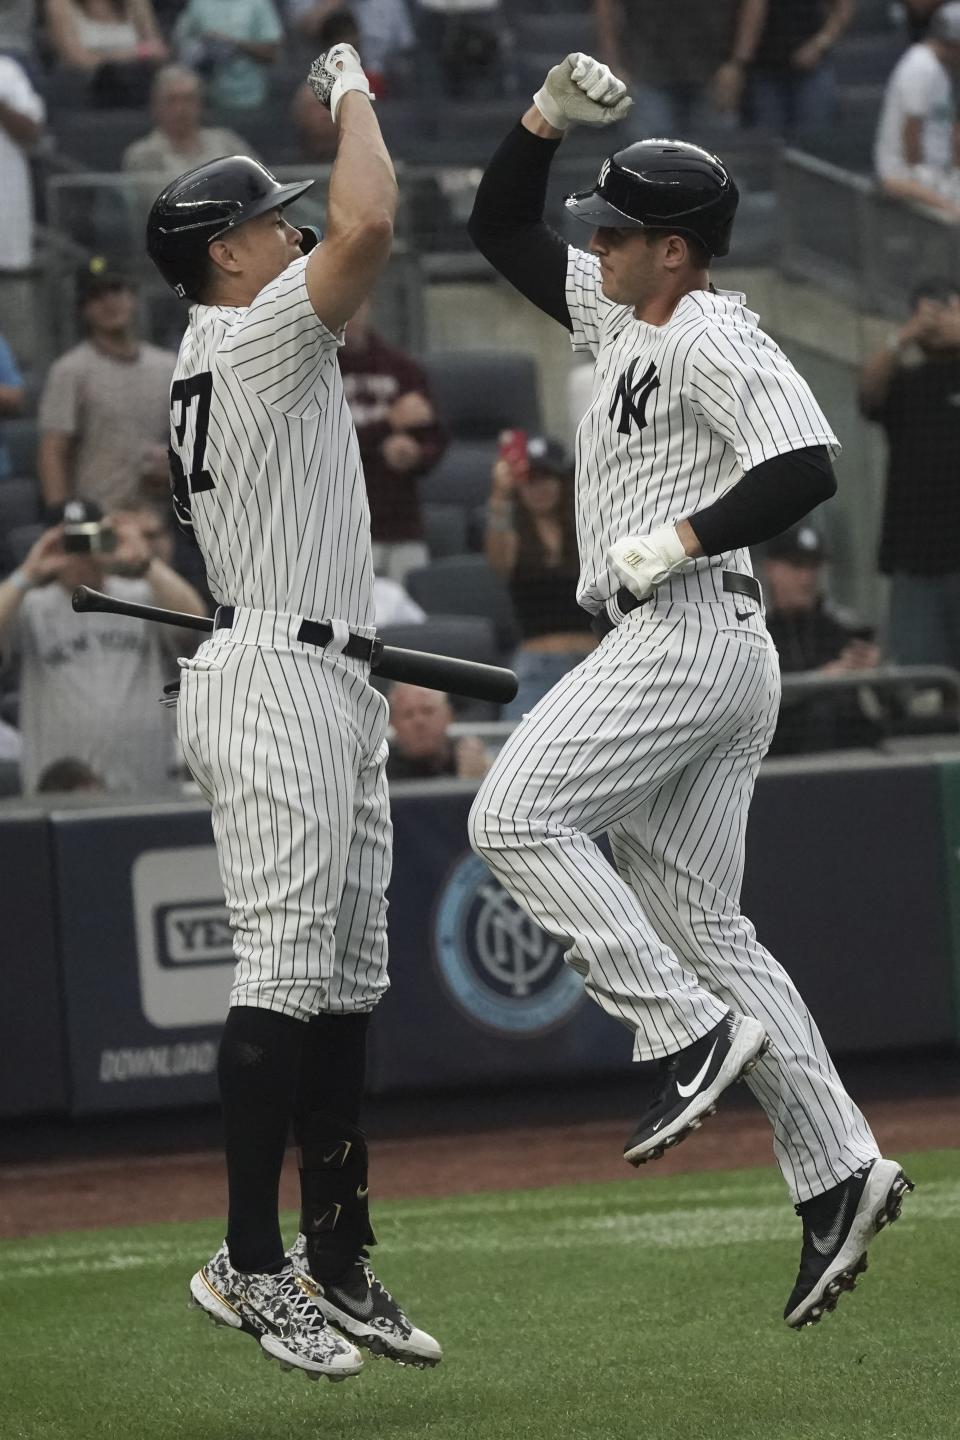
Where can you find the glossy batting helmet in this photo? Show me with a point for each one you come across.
(204, 204)
(662, 185)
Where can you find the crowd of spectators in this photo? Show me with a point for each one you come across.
(205, 67)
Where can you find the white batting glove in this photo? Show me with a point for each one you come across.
(642, 562)
(581, 91)
(335, 72)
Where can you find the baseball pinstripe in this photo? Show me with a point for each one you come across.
(657, 736)
(287, 742)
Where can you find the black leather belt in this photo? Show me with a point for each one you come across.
(315, 632)
(733, 583)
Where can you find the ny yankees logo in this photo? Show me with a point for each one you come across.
(632, 396)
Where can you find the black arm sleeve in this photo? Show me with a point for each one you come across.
(766, 501)
(507, 224)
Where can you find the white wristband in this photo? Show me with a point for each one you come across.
(20, 579)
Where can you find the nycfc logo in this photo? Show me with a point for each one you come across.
(497, 964)
(633, 396)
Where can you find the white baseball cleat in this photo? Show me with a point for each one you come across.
(363, 1308)
(280, 1312)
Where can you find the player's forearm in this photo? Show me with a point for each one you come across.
(363, 185)
(171, 591)
(766, 501)
(507, 224)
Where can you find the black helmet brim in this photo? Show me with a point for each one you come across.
(592, 209)
(279, 200)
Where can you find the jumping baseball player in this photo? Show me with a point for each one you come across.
(700, 441)
(280, 724)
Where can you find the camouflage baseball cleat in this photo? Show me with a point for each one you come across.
(282, 1314)
(364, 1309)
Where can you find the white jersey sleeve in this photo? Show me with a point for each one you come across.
(743, 387)
(278, 347)
(589, 307)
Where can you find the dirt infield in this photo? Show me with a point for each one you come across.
(40, 1196)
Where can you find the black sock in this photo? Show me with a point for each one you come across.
(333, 1150)
(333, 1071)
(258, 1069)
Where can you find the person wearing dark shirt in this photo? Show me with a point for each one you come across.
(792, 84)
(531, 540)
(918, 406)
(421, 746)
(810, 636)
(685, 63)
(400, 441)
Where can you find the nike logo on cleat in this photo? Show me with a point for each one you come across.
(823, 1244)
(687, 1090)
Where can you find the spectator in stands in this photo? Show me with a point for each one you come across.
(462, 49)
(379, 30)
(531, 540)
(17, 32)
(12, 397)
(90, 684)
(792, 84)
(178, 141)
(918, 16)
(915, 151)
(918, 405)
(115, 43)
(104, 400)
(22, 115)
(315, 129)
(421, 746)
(685, 64)
(400, 441)
(232, 43)
(69, 777)
(393, 606)
(811, 636)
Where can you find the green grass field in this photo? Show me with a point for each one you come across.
(648, 1309)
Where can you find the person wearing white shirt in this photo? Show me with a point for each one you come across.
(915, 154)
(22, 115)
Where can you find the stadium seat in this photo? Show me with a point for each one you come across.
(558, 34)
(21, 437)
(98, 138)
(468, 637)
(867, 59)
(462, 476)
(480, 392)
(466, 585)
(445, 529)
(19, 504)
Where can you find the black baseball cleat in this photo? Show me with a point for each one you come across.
(837, 1228)
(363, 1308)
(691, 1083)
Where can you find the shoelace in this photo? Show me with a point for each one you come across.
(294, 1289)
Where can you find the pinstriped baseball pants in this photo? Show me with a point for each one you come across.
(288, 746)
(656, 739)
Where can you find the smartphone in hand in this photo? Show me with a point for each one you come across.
(512, 447)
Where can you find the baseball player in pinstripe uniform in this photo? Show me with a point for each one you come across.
(279, 722)
(700, 441)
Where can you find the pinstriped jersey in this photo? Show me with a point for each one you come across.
(678, 413)
(266, 465)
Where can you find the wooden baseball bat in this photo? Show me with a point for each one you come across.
(416, 667)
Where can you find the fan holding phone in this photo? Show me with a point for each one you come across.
(531, 540)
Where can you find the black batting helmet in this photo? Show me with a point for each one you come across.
(202, 205)
(662, 185)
